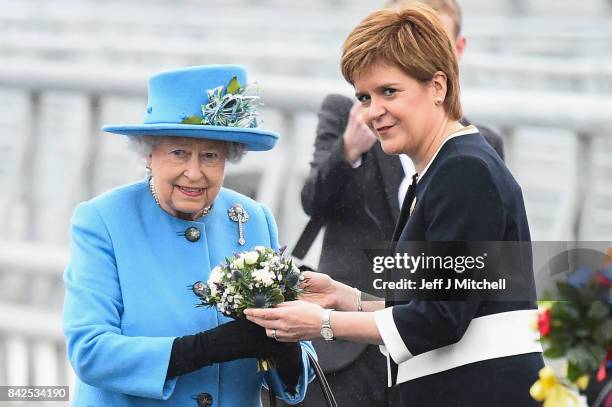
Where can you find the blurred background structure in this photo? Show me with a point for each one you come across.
(540, 72)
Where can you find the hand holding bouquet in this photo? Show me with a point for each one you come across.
(260, 278)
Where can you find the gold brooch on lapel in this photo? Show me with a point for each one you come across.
(237, 214)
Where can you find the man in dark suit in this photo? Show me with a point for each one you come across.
(354, 191)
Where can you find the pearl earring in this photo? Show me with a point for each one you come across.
(439, 101)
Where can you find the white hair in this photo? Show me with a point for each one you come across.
(144, 145)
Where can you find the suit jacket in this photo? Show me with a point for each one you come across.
(357, 205)
(127, 300)
(467, 194)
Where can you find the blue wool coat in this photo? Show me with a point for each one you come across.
(127, 299)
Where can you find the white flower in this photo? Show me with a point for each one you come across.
(215, 276)
(263, 276)
(251, 257)
(238, 263)
(260, 249)
(213, 290)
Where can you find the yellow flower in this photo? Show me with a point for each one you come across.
(548, 378)
(548, 389)
(538, 392)
(583, 382)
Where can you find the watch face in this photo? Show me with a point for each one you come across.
(327, 333)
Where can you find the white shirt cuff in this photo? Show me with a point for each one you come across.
(391, 336)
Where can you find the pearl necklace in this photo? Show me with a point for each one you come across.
(200, 214)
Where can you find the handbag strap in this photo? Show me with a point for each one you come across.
(325, 389)
(309, 234)
(327, 393)
(603, 393)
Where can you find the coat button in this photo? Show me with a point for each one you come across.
(204, 400)
(192, 234)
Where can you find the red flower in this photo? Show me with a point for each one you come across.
(544, 322)
(602, 279)
(602, 371)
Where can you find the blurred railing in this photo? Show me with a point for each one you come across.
(52, 155)
(32, 256)
(32, 349)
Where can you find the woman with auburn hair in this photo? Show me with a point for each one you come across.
(472, 352)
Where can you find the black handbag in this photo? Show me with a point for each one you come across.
(320, 376)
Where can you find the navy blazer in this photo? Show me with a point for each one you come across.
(358, 206)
(466, 194)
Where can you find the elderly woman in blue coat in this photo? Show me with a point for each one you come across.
(133, 334)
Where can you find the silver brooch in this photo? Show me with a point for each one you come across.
(237, 214)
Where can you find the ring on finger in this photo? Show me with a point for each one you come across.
(274, 334)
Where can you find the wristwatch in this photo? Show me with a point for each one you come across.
(326, 331)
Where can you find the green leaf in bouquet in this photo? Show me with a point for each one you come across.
(582, 333)
(233, 86)
(565, 311)
(598, 311)
(579, 357)
(573, 372)
(598, 353)
(567, 291)
(275, 296)
(554, 353)
(585, 356)
(559, 339)
(602, 334)
(192, 120)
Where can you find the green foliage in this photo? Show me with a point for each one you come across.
(233, 86)
(192, 120)
(580, 327)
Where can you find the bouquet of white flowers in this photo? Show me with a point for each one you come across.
(260, 278)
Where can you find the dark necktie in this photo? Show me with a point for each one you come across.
(411, 193)
(405, 209)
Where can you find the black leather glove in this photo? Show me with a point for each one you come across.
(234, 340)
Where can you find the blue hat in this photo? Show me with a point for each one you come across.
(207, 102)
